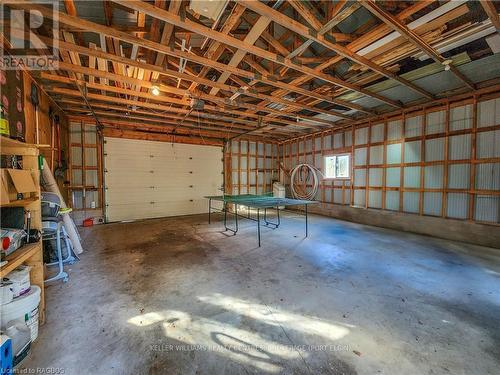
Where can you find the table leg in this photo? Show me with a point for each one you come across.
(306, 218)
(209, 209)
(258, 225)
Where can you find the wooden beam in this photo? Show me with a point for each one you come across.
(300, 29)
(189, 121)
(171, 109)
(83, 24)
(491, 11)
(253, 34)
(161, 137)
(216, 49)
(203, 30)
(413, 38)
(232, 89)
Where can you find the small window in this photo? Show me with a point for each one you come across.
(337, 166)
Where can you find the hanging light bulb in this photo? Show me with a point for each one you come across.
(155, 90)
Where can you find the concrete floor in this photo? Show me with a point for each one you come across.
(176, 296)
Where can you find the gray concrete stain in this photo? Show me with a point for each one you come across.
(394, 302)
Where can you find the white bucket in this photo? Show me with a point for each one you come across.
(24, 308)
(20, 278)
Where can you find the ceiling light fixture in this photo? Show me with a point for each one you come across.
(155, 90)
(446, 64)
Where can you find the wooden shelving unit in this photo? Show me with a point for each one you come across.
(30, 254)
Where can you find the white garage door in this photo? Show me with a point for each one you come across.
(146, 179)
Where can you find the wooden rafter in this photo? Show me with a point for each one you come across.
(491, 11)
(300, 29)
(413, 38)
(203, 30)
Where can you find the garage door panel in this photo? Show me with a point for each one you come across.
(146, 179)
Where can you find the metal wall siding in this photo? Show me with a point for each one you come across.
(375, 177)
(433, 176)
(75, 134)
(394, 153)
(434, 149)
(327, 142)
(392, 177)
(410, 202)
(375, 199)
(461, 117)
(361, 136)
(436, 122)
(394, 130)
(337, 196)
(488, 176)
(433, 203)
(412, 177)
(487, 208)
(359, 177)
(460, 147)
(91, 178)
(309, 145)
(377, 133)
(459, 176)
(317, 143)
(338, 140)
(457, 205)
(260, 149)
(412, 151)
(488, 144)
(376, 155)
(348, 138)
(244, 147)
(76, 178)
(488, 113)
(413, 126)
(328, 195)
(347, 194)
(76, 156)
(360, 156)
(392, 200)
(359, 197)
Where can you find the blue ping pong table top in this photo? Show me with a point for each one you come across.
(259, 201)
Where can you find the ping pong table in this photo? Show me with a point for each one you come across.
(257, 202)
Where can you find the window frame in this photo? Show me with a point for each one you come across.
(337, 155)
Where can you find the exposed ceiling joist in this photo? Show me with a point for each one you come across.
(414, 38)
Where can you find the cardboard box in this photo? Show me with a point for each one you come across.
(16, 181)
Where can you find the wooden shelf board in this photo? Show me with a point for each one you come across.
(20, 256)
(9, 142)
(20, 202)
